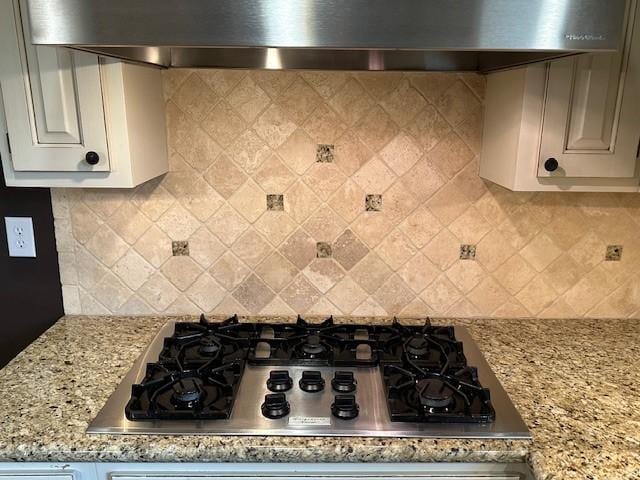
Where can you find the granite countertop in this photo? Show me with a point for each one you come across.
(575, 382)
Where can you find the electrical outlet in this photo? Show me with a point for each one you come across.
(20, 237)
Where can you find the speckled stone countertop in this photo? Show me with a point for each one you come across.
(576, 383)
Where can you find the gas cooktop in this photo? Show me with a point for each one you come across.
(302, 378)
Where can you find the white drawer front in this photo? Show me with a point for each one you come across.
(150, 476)
(31, 476)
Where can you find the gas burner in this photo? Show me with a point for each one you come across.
(209, 346)
(417, 346)
(187, 392)
(312, 348)
(434, 393)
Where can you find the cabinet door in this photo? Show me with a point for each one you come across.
(591, 122)
(53, 101)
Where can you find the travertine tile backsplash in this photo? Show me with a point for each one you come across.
(339, 193)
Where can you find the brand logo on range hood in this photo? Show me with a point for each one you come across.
(585, 37)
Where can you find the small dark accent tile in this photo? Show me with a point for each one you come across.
(467, 252)
(323, 250)
(275, 202)
(324, 153)
(614, 253)
(180, 248)
(373, 203)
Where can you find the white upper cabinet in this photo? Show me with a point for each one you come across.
(74, 119)
(573, 124)
(591, 122)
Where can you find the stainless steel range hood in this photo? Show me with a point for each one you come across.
(481, 35)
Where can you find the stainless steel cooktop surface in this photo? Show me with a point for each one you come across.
(310, 413)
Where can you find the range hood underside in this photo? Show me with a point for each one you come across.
(482, 35)
(316, 59)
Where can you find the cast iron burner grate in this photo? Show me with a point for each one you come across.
(195, 344)
(322, 344)
(426, 346)
(167, 392)
(450, 395)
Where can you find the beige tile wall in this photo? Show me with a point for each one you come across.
(413, 139)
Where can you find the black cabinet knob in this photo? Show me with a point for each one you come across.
(92, 158)
(551, 165)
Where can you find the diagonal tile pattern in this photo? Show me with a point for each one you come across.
(324, 142)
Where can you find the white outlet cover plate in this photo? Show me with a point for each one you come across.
(20, 236)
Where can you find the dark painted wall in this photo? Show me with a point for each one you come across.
(30, 292)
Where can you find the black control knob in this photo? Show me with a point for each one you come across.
(92, 158)
(551, 165)
(345, 407)
(343, 382)
(311, 381)
(275, 405)
(279, 381)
